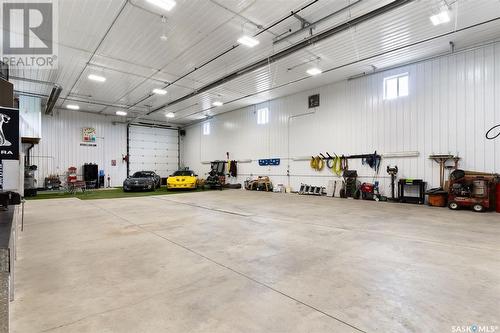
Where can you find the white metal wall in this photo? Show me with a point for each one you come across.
(153, 149)
(30, 114)
(60, 147)
(452, 102)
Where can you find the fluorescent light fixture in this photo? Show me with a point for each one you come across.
(248, 41)
(163, 4)
(121, 113)
(159, 91)
(73, 107)
(97, 78)
(164, 38)
(440, 18)
(217, 103)
(314, 71)
(170, 115)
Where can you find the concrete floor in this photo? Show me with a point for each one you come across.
(236, 261)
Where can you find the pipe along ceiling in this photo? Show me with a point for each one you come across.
(286, 52)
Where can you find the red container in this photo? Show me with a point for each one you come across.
(498, 198)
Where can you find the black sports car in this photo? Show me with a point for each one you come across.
(142, 181)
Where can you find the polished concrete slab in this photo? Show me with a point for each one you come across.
(237, 261)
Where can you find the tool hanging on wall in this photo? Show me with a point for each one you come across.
(317, 163)
(232, 167)
(372, 160)
(338, 164)
(334, 163)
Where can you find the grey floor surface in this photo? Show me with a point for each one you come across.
(236, 261)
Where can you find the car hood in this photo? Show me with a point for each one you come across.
(182, 178)
(139, 180)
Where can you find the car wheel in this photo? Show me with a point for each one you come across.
(478, 208)
(453, 205)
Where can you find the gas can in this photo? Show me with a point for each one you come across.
(479, 188)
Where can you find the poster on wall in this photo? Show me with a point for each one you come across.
(89, 134)
(9, 134)
(89, 137)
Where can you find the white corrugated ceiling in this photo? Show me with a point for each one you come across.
(120, 39)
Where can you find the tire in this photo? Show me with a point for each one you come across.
(453, 205)
(478, 208)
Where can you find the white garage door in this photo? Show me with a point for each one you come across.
(153, 149)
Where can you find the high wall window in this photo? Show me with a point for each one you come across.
(396, 86)
(262, 116)
(206, 129)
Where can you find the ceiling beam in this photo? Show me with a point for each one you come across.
(288, 51)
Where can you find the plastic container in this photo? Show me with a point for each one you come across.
(439, 199)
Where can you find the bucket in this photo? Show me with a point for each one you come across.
(438, 199)
(498, 198)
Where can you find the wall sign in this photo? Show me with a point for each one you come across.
(270, 162)
(9, 134)
(89, 134)
(313, 101)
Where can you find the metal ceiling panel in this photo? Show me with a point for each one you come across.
(133, 58)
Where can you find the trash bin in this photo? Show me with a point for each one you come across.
(437, 197)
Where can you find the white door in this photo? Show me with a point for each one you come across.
(153, 149)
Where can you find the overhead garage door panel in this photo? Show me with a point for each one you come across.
(154, 149)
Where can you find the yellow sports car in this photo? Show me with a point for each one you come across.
(182, 179)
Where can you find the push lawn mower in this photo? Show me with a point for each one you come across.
(370, 191)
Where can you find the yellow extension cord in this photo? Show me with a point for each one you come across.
(317, 163)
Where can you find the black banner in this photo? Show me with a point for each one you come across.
(9, 134)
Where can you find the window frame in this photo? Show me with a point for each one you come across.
(206, 128)
(396, 77)
(263, 116)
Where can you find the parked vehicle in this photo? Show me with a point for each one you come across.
(182, 179)
(142, 181)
